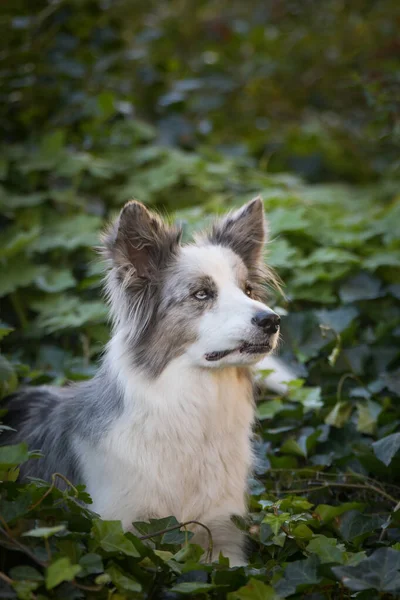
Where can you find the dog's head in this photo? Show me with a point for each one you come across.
(204, 300)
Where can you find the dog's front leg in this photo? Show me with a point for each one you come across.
(226, 538)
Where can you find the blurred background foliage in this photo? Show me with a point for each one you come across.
(195, 107)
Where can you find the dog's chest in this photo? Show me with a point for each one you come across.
(184, 453)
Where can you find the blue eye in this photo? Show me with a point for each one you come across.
(202, 295)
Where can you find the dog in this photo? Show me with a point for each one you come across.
(165, 426)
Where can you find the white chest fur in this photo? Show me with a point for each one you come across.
(181, 447)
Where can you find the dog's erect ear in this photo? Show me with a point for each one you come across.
(140, 239)
(244, 231)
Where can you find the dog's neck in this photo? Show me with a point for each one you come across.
(180, 385)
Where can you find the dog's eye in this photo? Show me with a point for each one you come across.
(202, 294)
(248, 290)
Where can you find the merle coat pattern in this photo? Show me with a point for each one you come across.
(164, 428)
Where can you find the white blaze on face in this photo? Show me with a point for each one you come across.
(227, 323)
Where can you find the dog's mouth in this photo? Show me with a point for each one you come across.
(245, 348)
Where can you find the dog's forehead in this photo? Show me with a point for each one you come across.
(217, 262)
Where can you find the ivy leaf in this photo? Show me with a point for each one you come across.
(326, 549)
(44, 532)
(59, 571)
(298, 576)
(380, 571)
(339, 319)
(192, 587)
(69, 233)
(8, 377)
(109, 535)
(354, 524)
(386, 448)
(123, 581)
(55, 281)
(12, 456)
(339, 415)
(5, 330)
(254, 590)
(309, 397)
(13, 240)
(24, 588)
(268, 410)
(276, 521)
(361, 287)
(368, 413)
(327, 513)
(91, 564)
(16, 273)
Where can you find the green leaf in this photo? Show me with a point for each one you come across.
(302, 532)
(388, 258)
(105, 102)
(44, 532)
(380, 571)
(53, 142)
(291, 446)
(13, 240)
(354, 524)
(8, 377)
(296, 504)
(309, 397)
(339, 319)
(26, 572)
(91, 564)
(25, 588)
(339, 415)
(276, 521)
(12, 456)
(267, 410)
(59, 571)
(298, 576)
(123, 581)
(360, 287)
(254, 590)
(5, 330)
(55, 281)
(192, 587)
(60, 312)
(368, 413)
(283, 220)
(69, 233)
(17, 273)
(386, 448)
(281, 254)
(329, 256)
(327, 513)
(109, 535)
(326, 549)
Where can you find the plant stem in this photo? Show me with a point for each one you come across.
(328, 484)
(179, 526)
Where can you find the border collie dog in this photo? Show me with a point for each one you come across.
(164, 428)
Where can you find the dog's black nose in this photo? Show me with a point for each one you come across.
(268, 321)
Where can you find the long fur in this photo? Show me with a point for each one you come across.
(165, 426)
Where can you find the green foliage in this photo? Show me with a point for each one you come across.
(105, 101)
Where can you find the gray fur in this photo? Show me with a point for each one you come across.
(245, 233)
(48, 418)
(153, 307)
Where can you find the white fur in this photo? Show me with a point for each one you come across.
(182, 443)
(181, 447)
(229, 323)
(281, 374)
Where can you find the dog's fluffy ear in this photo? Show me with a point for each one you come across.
(139, 242)
(244, 231)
